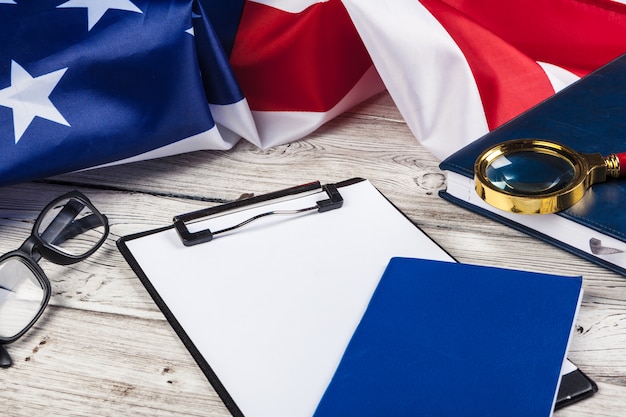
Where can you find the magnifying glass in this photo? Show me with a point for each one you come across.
(536, 176)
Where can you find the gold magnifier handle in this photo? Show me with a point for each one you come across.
(616, 165)
(600, 168)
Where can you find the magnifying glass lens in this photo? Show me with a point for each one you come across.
(530, 173)
(536, 176)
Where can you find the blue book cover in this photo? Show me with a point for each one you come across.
(590, 117)
(449, 339)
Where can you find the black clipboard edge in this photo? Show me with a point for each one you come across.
(575, 386)
(212, 377)
(195, 353)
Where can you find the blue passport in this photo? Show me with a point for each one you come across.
(450, 339)
(590, 117)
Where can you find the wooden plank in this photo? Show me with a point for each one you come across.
(103, 347)
(80, 363)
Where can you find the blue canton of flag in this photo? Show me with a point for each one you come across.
(90, 82)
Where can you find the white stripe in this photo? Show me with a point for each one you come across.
(277, 128)
(559, 77)
(238, 119)
(211, 139)
(263, 129)
(424, 70)
(291, 6)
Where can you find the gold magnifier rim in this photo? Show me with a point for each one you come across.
(551, 202)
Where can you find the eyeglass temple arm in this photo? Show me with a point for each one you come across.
(77, 227)
(5, 358)
(64, 226)
(54, 230)
(63, 219)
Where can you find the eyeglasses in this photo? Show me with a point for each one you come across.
(68, 230)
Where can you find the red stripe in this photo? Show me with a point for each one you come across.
(621, 157)
(305, 61)
(580, 35)
(508, 81)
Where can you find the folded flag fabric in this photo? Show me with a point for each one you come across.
(457, 69)
(299, 64)
(85, 83)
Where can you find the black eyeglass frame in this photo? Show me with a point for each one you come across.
(35, 247)
(44, 282)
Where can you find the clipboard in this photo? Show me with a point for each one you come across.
(267, 303)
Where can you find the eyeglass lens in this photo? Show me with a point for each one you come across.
(71, 228)
(21, 296)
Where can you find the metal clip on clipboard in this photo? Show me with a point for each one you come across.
(334, 201)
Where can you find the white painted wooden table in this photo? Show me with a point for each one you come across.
(104, 349)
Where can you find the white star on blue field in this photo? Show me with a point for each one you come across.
(28, 97)
(97, 8)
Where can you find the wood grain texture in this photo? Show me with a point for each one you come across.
(104, 349)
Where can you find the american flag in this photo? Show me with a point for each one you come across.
(85, 83)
